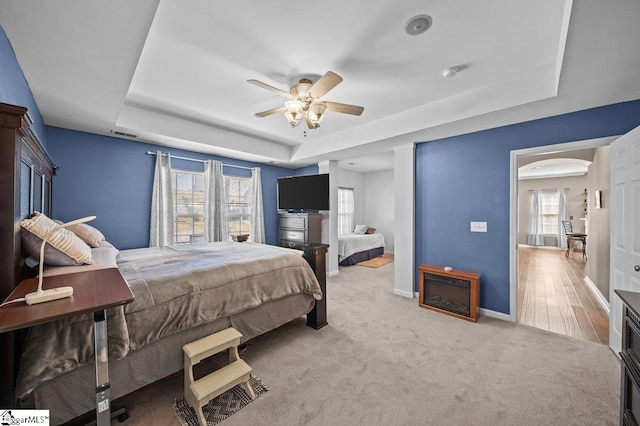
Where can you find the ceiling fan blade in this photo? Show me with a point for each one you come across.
(344, 108)
(327, 82)
(271, 88)
(270, 112)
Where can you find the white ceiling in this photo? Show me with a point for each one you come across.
(175, 73)
(554, 168)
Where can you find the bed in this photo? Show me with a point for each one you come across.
(181, 293)
(357, 247)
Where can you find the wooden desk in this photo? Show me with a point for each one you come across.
(93, 292)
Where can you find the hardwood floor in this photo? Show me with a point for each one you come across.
(552, 295)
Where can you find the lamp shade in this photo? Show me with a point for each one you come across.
(294, 106)
(316, 113)
(293, 120)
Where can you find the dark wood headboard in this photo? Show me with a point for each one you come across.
(26, 185)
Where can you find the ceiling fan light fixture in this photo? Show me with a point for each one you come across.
(316, 110)
(301, 89)
(303, 101)
(294, 106)
(294, 120)
(315, 113)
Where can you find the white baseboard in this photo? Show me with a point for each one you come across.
(402, 293)
(332, 273)
(494, 314)
(596, 292)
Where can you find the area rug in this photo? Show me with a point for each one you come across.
(376, 262)
(220, 407)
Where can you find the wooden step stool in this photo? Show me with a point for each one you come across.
(199, 392)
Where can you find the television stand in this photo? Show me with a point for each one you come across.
(298, 229)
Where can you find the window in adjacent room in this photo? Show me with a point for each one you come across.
(188, 206)
(346, 211)
(549, 203)
(239, 195)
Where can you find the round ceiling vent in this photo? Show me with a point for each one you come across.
(418, 24)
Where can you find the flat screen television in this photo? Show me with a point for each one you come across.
(303, 193)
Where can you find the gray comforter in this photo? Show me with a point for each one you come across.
(175, 288)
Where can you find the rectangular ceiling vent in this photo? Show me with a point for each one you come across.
(128, 135)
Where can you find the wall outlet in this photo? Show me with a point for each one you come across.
(478, 226)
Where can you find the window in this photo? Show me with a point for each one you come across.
(188, 207)
(346, 211)
(239, 195)
(549, 208)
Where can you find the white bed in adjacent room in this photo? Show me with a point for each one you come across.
(357, 247)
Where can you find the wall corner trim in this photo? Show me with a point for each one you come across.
(402, 293)
(598, 294)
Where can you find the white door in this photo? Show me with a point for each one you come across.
(625, 227)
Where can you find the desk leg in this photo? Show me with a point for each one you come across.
(103, 414)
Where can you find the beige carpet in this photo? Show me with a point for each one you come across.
(382, 360)
(376, 262)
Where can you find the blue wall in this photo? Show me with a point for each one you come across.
(112, 178)
(14, 88)
(466, 178)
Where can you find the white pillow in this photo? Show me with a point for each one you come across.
(360, 229)
(87, 233)
(63, 240)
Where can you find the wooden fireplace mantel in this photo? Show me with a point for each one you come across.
(465, 278)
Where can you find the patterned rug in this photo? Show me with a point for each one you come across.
(220, 407)
(376, 262)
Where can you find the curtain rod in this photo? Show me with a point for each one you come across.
(199, 161)
(555, 189)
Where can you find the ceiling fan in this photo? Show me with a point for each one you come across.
(304, 101)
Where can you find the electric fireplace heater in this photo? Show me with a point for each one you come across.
(454, 292)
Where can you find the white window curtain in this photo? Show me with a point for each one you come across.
(162, 226)
(562, 215)
(535, 237)
(346, 211)
(215, 226)
(257, 210)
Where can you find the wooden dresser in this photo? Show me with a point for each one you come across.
(295, 230)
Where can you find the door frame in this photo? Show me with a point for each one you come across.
(513, 205)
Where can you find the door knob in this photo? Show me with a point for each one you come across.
(637, 268)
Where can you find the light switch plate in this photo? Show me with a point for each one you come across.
(478, 226)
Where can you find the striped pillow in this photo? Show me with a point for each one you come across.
(63, 240)
(88, 234)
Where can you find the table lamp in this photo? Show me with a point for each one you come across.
(41, 295)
